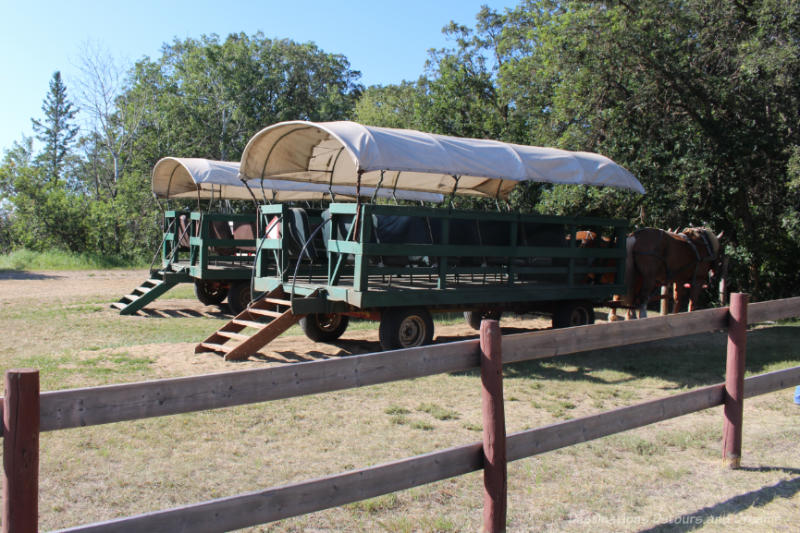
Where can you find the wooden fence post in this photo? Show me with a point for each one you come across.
(495, 474)
(21, 451)
(734, 381)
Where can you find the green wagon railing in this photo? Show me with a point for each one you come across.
(500, 258)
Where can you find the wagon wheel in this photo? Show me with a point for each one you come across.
(405, 327)
(474, 318)
(210, 292)
(324, 327)
(239, 296)
(573, 313)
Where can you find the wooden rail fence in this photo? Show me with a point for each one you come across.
(114, 403)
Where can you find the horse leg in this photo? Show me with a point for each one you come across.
(647, 290)
(612, 315)
(694, 296)
(676, 299)
(681, 294)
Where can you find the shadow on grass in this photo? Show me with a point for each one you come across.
(725, 512)
(346, 348)
(690, 361)
(287, 356)
(182, 313)
(25, 275)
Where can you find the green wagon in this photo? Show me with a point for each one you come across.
(399, 264)
(215, 251)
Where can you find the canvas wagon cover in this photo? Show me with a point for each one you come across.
(336, 152)
(188, 177)
(182, 177)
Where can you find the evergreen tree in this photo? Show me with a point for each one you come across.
(57, 130)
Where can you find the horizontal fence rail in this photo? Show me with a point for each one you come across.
(316, 495)
(117, 403)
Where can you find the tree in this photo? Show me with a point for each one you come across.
(392, 106)
(697, 98)
(56, 130)
(213, 95)
(114, 119)
(38, 213)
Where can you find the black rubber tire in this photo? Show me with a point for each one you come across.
(239, 296)
(573, 313)
(209, 293)
(321, 327)
(473, 318)
(405, 327)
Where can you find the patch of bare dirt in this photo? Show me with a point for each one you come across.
(171, 359)
(17, 286)
(179, 359)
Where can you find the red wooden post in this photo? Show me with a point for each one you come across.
(494, 429)
(21, 451)
(734, 381)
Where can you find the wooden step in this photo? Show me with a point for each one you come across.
(248, 323)
(144, 294)
(261, 338)
(211, 347)
(265, 331)
(277, 301)
(233, 335)
(264, 312)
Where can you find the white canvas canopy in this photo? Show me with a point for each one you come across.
(338, 152)
(181, 177)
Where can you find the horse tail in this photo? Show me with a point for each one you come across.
(630, 272)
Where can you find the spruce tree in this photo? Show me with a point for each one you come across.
(57, 130)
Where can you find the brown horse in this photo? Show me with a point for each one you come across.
(657, 257)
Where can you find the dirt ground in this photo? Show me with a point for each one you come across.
(70, 287)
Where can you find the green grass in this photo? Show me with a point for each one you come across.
(437, 411)
(62, 260)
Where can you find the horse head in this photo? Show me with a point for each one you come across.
(705, 240)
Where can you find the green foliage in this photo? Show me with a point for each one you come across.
(391, 106)
(214, 95)
(24, 259)
(46, 214)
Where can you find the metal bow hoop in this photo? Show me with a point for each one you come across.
(258, 253)
(300, 258)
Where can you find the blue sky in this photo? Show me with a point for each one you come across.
(388, 41)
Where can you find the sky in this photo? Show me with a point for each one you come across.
(388, 41)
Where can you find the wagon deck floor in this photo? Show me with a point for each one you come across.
(218, 266)
(424, 282)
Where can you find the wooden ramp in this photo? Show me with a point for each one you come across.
(253, 328)
(153, 287)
